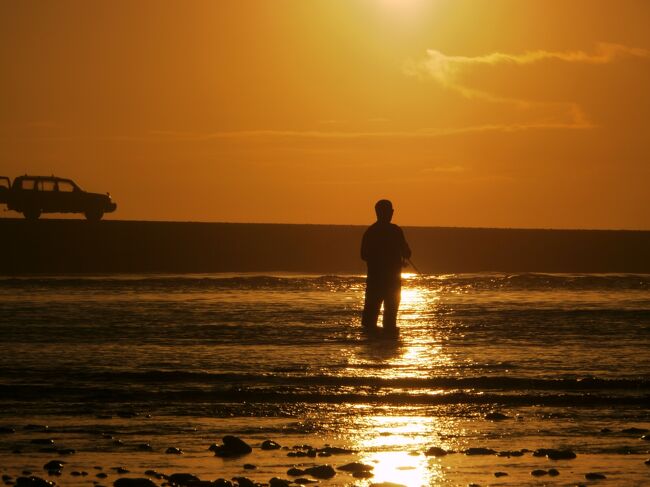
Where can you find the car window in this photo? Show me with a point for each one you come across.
(46, 185)
(66, 187)
(27, 184)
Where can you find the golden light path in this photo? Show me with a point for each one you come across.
(395, 443)
(394, 438)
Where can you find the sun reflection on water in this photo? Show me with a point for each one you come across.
(419, 349)
(394, 446)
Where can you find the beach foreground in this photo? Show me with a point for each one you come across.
(388, 448)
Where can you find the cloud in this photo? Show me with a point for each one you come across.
(447, 71)
(425, 133)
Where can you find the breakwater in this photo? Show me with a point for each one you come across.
(77, 246)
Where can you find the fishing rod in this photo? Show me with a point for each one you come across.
(414, 268)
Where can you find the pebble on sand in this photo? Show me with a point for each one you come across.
(321, 471)
(496, 416)
(295, 472)
(595, 476)
(276, 482)
(435, 451)
(363, 475)
(539, 472)
(183, 478)
(6, 430)
(554, 454)
(511, 453)
(53, 465)
(270, 445)
(335, 450)
(133, 482)
(153, 473)
(553, 472)
(244, 482)
(232, 447)
(356, 467)
(480, 451)
(561, 455)
(172, 450)
(249, 466)
(216, 483)
(32, 482)
(500, 474)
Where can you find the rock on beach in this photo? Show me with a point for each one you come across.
(133, 482)
(496, 416)
(595, 476)
(356, 467)
(32, 482)
(435, 451)
(270, 445)
(480, 451)
(232, 447)
(321, 471)
(53, 465)
(183, 478)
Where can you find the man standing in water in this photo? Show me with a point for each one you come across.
(384, 249)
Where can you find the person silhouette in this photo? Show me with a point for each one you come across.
(384, 249)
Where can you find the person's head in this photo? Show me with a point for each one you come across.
(384, 211)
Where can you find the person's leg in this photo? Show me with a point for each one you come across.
(371, 307)
(392, 299)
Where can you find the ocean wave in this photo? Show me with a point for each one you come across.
(297, 381)
(481, 281)
(106, 395)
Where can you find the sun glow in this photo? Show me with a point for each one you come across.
(404, 12)
(402, 5)
(395, 441)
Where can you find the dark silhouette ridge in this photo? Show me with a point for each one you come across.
(384, 249)
(78, 246)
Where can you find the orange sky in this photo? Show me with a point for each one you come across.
(502, 113)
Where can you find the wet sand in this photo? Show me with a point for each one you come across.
(392, 447)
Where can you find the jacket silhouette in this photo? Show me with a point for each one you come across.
(384, 249)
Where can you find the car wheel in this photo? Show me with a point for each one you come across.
(32, 213)
(94, 214)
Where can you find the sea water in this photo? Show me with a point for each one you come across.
(180, 360)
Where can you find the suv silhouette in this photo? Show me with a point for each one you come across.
(33, 195)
